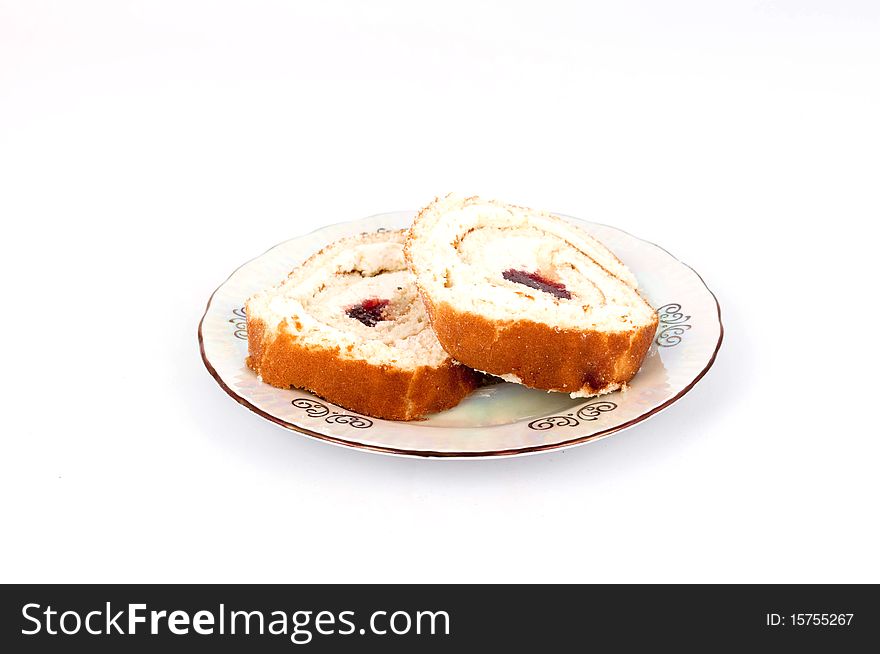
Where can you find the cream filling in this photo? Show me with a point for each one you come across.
(313, 302)
(465, 251)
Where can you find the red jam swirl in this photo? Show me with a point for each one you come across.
(534, 280)
(369, 312)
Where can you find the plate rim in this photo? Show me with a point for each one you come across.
(439, 454)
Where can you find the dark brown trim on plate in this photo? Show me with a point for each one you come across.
(439, 454)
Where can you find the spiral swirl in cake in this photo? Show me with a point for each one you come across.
(527, 296)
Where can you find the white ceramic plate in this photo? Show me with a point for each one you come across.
(500, 420)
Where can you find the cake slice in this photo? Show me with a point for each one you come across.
(529, 297)
(348, 325)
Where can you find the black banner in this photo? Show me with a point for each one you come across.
(279, 618)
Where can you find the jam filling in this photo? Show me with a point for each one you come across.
(369, 312)
(534, 280)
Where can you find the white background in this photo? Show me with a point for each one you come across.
(149, 148)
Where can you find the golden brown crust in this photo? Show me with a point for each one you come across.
(382, 391)
(589, 362)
